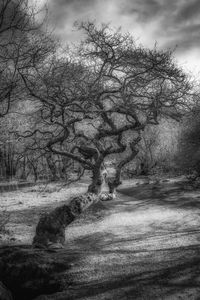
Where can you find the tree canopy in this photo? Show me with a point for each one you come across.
(98, 98)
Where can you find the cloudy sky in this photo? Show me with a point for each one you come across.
(170, 23)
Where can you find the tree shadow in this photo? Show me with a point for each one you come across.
(178, 194)
(31, 215)
(134, 274)
(28, 272)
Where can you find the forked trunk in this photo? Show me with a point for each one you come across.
(113, 183)
(97, 181)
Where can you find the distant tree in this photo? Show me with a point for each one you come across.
(22, 45)
(158, 148)
(146, 159)
(188, 156)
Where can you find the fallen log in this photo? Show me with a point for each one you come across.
(29, 272)
(50, 230)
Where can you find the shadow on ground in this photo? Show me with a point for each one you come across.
(178, 194)
(172, 273)
(144, 245)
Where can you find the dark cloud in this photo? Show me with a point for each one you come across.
(189, 12)
(77, 5)
(178, 24)
(169, 22)
(185, 38)
(63, 11)
(144, 10)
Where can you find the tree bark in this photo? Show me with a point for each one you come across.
(97, 181)
(50, 231)
(114, 182)
(52, 166)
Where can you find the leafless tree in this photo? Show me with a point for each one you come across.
(98, 103)
(22, 45)
(187, 156)
(95, 102)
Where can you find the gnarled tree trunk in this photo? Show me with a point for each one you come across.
(50, 230)
(114, 182)
(97, 181)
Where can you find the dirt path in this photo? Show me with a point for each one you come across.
(144, 245)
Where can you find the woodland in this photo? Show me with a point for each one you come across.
(99, 165)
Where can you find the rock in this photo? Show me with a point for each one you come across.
(107, 196)
(29, 272)
(193, 176)
(5, 294)
(165, 180)
(13, 239)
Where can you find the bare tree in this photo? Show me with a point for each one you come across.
(22, 45)
(187, 157)
(112, 91)
(96, 102)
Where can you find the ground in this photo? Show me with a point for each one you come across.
(143, 245)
